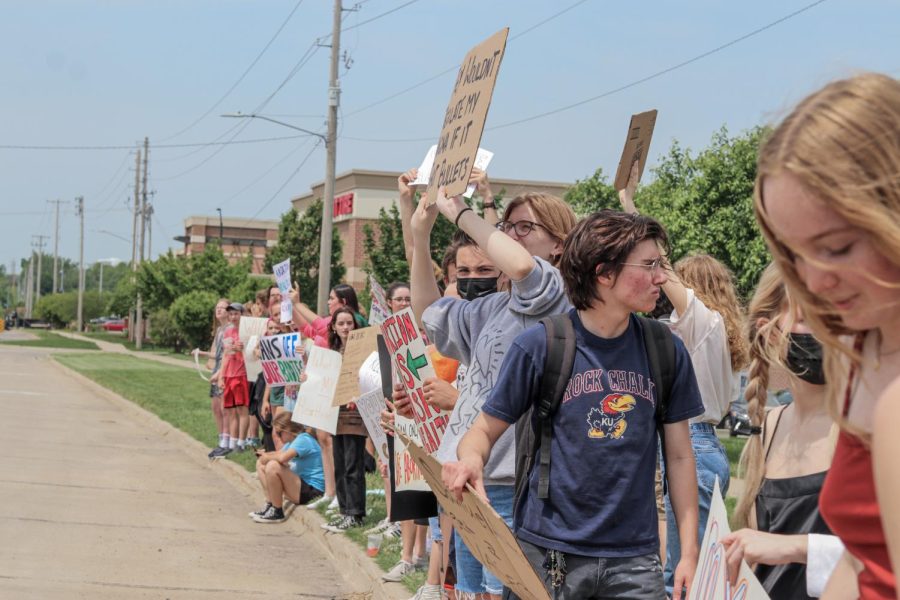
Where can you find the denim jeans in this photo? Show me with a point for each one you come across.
(632, 577)
(712, 461)
(471, 577)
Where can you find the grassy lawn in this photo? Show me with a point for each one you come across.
(115, 337)
(48, 339)
(178, 396)
(733, 447)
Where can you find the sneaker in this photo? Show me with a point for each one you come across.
(220, 453)
(398, 571)
(380, 527)
(393, 531)
(261, 511)
(428, 592)
(212, 453)
(254, 443)
(334, 505)
(319, 502)
(343, 524)
(273, 515)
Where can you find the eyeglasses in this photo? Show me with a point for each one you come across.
(653, 267)
(522, 228)
(404, 299)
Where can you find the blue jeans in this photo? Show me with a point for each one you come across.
(711, 461)
(471, 577)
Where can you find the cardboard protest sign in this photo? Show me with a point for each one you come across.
(413, 363)
(483, 530)
(250, 329)
(711, 577)
(360, 344)
(464, 118)
(323, 367)
(637, 145)
(482, 160)
(370, 406)
(280, 357)
(283, 279)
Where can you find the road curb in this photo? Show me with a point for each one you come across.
(358, 570)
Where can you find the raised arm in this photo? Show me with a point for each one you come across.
(483, 189)
(423, 287)
(406, 206)
(507, 254)
(673, 288)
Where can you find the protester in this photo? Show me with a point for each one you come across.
(785, 461)
(312, 325)
(260, 306)
(827, 200)
(594, 534)
(232, 378)
(273, 301)
(293, 472)
(349, 442)
(273, 398)
(524, 247)
(215, 354)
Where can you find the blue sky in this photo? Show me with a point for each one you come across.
(108, 73)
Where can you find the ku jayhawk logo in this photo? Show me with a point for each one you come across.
(608, 421)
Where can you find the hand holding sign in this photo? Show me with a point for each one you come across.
(637, 145)
(626, 195)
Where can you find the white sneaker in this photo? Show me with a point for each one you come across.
(380, 527)
(398, 571)
(334, 506)
(421, 563)
(319, 502)
(428, 592)
(394, 531)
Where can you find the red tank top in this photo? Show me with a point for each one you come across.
(848, 504)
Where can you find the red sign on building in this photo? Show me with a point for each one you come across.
(343, 205)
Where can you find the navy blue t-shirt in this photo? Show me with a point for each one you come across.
(603, 455)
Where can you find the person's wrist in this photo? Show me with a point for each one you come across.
(461, 213)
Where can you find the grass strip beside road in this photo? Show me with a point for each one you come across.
(179, 397)
(48, 339)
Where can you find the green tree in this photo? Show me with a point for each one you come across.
(120, 300)
(298, 239)
(193, 314)
(706, 203)
(61, 310)
(164, 331)
(592, 194)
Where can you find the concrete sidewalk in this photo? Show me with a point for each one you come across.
(121, 349)
(99, 499)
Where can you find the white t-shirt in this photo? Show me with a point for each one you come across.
(703, 332)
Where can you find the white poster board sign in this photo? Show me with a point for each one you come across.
(250, 329)
(711, 578)
(323, 367)
(370, 406)
(283, 279)
(482, 160)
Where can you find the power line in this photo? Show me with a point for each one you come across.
(263, 175)
(243, 75)
(456, 66)
(375, 18)
(621, 88)
(161, 146)
(286, 182)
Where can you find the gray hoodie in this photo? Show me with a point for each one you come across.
(477, 334)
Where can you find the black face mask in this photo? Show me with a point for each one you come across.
(804, 358)
(470, 288)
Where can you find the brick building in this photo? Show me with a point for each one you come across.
(237, 237)
(360, 194)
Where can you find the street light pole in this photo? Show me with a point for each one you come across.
(334, 100)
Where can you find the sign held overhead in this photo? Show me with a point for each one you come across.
(637, 146)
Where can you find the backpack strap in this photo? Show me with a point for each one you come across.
(660, 346)
(557, 372)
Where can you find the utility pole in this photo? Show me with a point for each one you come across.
(79, 211)
(334, 100)
(139, 317)
(29, 287)
(56, 246)
(149, 231)
(40, 247)
(134, 235)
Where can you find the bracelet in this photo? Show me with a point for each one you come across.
(490, 205)
(461, 213)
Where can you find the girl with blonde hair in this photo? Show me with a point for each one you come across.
(828, 201)
(786, 459)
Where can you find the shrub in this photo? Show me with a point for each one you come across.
(192, 314)
(164, 331)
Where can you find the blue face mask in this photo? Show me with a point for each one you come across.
(470, 288)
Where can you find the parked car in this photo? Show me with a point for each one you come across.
(115, 325)
(737, 421)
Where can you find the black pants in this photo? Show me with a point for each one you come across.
(350, 474)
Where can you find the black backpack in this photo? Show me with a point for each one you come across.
(660, 348)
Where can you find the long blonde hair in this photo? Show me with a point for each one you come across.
(842, 144)
(554, 214)
(713, 284)
(767, 347)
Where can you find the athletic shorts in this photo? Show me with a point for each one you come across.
(236, 393)
(308, 493)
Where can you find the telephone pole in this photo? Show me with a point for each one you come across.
(29, 287)
(334, 100)
(134, 235)
(40, 249)
(56, 246)
(139, 317)
(79, 211)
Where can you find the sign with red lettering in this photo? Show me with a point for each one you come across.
(464, 118)
(413, 366)
(343, 205)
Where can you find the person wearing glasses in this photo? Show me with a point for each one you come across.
(525, 246)
(594, 535)
(709, 319)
